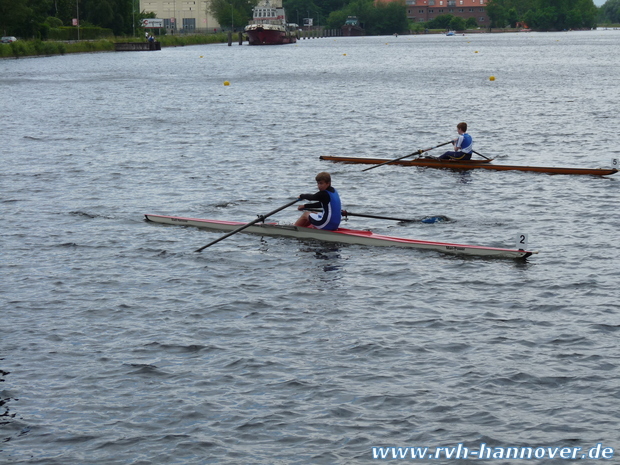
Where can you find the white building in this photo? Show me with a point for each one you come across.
(182, 16)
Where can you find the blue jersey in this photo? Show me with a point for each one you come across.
(329, 201)
(465, 143)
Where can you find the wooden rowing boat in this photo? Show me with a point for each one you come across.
(345, 236)
(471, 164)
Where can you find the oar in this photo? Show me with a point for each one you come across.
(428, 219)
(410, 155)
(480, 155)
(241, 228)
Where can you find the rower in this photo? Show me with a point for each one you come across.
(463, 145)
(326, 198)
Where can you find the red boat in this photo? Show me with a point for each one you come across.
(472, 164)
(269, 27)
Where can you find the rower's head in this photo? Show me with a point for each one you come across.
(462, 128)
(323, 180)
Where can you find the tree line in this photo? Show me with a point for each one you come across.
(610, 12)
(543, 15)
(34, 18)
(383, 18)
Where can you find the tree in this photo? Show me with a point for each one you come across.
(233, 13)
(297, 10)
(440, 22)
(65, 10)
(117, 15)
(12, 13)
(543, 15)
(387, 18)
(471, 23)
(24, 18)
(336, 19)
(610, 11)
(512, 17)
(497, 13)
(457, 24)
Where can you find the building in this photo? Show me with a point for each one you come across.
(182, 16)
(421, 11)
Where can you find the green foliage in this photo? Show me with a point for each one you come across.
(86, 33)
(440, 22)
(297, 10)
(112, 14)
(376, 19)
(389, 18)
(336, 19)
(457, 24)
(65, 10)
(52, 21)
(232, 13)
(23, 48)
(5, 50)
(471, 23)
(31, 18)
(194, 39)
(544, 15)
(40, 19)
(512, 17)
(416, 27)
(38, 48)
(610, 12)
(21, 18)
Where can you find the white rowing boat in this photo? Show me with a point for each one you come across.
(341, 235)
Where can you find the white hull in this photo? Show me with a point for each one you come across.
(344, 236)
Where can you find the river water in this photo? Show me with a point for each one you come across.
(120, 345)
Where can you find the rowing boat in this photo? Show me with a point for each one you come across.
(471, 164)
(341, 235)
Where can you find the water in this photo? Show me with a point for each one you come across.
(120, 345)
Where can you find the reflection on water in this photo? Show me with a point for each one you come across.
(331, 260)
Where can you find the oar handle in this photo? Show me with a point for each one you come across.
(419, 152)
(241, 228)
(346, 213)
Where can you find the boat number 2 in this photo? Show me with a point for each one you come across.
(522, 241)
(615, 163)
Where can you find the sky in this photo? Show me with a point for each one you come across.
(599, 2)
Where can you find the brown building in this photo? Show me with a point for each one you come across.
(420, 11)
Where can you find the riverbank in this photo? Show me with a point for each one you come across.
(34, 48)
(26, 48)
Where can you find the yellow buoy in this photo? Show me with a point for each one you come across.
(476, 51)
(344, 54)
(200, 56)
(492, 78)
(226, 83)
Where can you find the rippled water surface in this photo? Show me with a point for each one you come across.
(120, 345)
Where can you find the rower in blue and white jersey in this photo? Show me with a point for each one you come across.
(328, 200)
(463, 145)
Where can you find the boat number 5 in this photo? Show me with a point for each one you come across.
(522, 241)
(615, 163)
